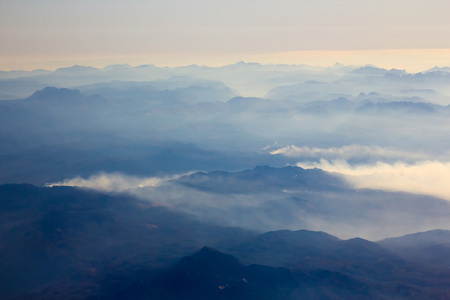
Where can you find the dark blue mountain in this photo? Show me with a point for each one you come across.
(264, 178)
(63, 235)
(429, 248)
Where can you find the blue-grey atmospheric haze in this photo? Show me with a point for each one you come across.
(224, 149)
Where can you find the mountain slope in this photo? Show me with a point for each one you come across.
(429, 248)
(65, 234)
(263, 178)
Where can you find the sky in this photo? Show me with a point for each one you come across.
(409, 34)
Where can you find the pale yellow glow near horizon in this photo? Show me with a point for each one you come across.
(424, 177)
(411, 60)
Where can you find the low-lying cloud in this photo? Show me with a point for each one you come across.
(424, 177)
(344, 213)
(349, 152)
(113, 182)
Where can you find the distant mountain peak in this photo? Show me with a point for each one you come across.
(53, 93)
(299, 235)
(117, 67)
(75, 68)
(263, 178)
(210, 259)
(211, 253)
(370, 70)
(244, 64)
(430, 237)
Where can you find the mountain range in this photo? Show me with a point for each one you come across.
(245, 181)
(63, 242)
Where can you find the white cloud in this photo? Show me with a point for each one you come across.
(344, 214)
(349, 152)
(425, 177)
(114, 182)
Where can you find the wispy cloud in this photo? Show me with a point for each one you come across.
(113, 182)
(346, 214)
(425, 177)
(349, 152)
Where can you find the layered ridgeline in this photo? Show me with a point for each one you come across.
(266, 198)
(65, 242)
(120, 117)
(142, 131)
(220, 183)
(250, 79)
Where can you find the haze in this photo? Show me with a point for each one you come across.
(210, 149)
(50, 34)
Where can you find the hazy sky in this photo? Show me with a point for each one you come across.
(170, 32)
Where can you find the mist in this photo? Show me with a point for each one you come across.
(109, 182)
(350, 152)
(224, 149)
(235, 199)
(422, 177)
(146, 131)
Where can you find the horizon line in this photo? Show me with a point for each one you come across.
(410, 60)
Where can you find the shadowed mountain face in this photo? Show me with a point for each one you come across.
(55, 235)
(264, 179)
(210, 274)
(430, 248)
(310, 250)
(64, 242)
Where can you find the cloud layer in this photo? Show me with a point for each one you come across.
(348, 152)
(425, 177)
(114, 182)
(346, 213)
